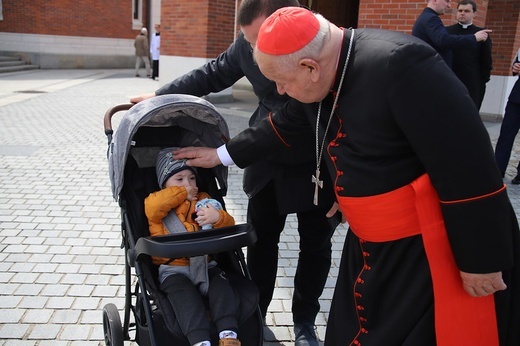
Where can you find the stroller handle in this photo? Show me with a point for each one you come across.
(107, 119)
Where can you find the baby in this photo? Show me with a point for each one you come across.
(174, 209)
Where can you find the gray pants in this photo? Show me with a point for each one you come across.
(189, 307)
(146, 61)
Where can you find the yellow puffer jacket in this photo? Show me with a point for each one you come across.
(158, 204)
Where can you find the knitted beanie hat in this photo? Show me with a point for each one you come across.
(167, 166)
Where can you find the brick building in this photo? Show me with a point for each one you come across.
(73, 34)
(95, 34)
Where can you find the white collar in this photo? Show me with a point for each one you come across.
(465, 26)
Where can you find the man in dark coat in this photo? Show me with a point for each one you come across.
(432, 252)
(472, 65)
(429, 28)
(277, 185)
(510, 126)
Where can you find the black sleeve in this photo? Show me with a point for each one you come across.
(281, 129)
(445, 131)
(486, 60)
(214, 76)
(440, 37)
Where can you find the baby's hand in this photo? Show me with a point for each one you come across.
(207, 215)
(192, 193)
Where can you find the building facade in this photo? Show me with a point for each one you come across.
(96, 34)
(72, 34)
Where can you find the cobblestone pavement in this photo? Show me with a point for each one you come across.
(60, 255)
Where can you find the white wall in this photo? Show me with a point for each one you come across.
(155, 14)
(59, 51)
(60, 44)
(171, 67)
(495, 99)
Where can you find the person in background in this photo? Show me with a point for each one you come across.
(141, 52)
(510, 126)
(277, 185)
(472, 65)
(187, 280)
(429, 28)
(155, 51)
(432, 255)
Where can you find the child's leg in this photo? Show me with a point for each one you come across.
(223, 301)
(188, 306)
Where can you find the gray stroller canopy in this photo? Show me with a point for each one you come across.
(203, 124)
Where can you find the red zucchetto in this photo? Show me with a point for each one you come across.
(287, 30)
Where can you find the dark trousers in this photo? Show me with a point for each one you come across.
(506, 139)
(189, 308)
(155, 68)
(314, 258)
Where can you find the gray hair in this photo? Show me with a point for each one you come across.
(311, 51)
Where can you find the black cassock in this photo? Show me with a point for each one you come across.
(472, 65)
(402, 114)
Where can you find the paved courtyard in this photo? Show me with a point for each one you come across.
(60, 237)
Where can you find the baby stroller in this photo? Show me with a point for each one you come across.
(146, 128)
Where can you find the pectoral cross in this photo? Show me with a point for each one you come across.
(318, 183)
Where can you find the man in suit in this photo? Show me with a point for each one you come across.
(276, 186)
(472, 65)
(429, 28)
(510, 126)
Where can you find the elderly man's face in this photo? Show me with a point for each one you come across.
(296, 81)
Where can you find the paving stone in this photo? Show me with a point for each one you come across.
(13, 331)
(44, 332)
(37, 316)
(60, 237)
(11, 314)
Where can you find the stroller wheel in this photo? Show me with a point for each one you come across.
(112, 326)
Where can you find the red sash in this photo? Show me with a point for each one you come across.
(415, 209)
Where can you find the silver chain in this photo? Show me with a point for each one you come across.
(319, 152)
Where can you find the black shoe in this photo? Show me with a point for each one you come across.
(516, 180)
(305, 335)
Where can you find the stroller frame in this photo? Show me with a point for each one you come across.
(225, 242)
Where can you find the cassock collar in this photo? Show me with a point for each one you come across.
(347, 34)
(465, 26)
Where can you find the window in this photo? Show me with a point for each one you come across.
(137, 14)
